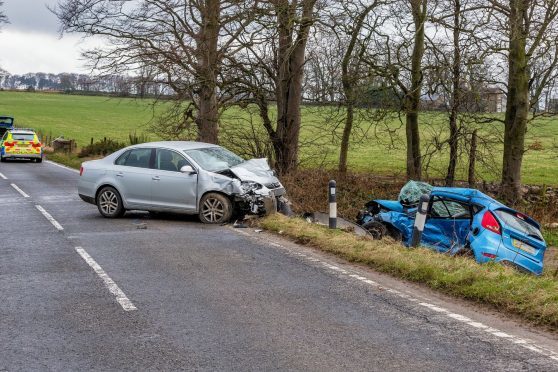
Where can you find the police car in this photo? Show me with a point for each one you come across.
(21, 144)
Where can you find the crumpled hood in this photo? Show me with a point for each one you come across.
(256, 170)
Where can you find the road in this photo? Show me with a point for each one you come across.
(80, 292)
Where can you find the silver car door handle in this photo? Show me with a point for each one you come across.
(156, 178)
(120, 174)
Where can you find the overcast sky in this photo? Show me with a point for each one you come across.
(31, 43)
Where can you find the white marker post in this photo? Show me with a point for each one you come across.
(420, 220)
(332, 204)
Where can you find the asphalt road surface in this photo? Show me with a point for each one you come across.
(80, 292)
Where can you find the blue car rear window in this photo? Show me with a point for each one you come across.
(516, 223)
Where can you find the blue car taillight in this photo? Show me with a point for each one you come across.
(490, 222)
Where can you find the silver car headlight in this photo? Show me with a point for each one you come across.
(247, 186)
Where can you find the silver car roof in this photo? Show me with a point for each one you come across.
(177, 145)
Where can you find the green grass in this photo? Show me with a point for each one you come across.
(69, 160)
(82, 118)
(532, 298)
(77, 117)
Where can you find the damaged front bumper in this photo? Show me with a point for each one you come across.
(261, 202)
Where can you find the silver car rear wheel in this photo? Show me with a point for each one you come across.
(109, 203)
(215, 208)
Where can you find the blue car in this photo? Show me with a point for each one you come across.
(6, 123)
(461, 220)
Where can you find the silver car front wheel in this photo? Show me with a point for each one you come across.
(109, 203)
(215, 208)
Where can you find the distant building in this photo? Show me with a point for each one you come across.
(493, 100)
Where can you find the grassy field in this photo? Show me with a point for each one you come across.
(82, 118)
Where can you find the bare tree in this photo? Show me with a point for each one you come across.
(294, 20)
(455, 75)
(353, 24)
(400, 49)
(271, 68)
(184, 41)
(528, 50)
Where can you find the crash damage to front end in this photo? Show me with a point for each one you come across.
(253, 187)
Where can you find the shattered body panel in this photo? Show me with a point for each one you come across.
(457, 223)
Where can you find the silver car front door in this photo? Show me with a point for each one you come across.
(170, 188)
(133, 176)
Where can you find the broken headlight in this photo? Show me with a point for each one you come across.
(248, 186)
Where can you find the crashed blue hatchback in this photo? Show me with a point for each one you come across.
(460, 221)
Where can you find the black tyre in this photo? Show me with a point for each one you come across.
(3, 160)
(39, 160)
(215, 208)
(394, 233)
(109, 203)
(377, 229)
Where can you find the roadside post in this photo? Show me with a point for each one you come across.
(332, 204)
(420, 220)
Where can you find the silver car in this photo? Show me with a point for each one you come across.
(181, 177)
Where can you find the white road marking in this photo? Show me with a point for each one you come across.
(3, 177)
(20, 191)
(121, 298)
(62, 166)
(49, 218)
(525, 343)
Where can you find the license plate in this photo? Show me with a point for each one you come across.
(523, 246)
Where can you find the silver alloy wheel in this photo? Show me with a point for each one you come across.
(108, 202)
(213, 210)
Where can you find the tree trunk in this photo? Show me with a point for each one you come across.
(290, 60)
(348, 79)
(517, 109)
(455, 106)
(472, 159)
(207, 119)
(345, 139)
(414, 166)
(347, 83)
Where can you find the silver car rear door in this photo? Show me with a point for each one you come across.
(132, 176)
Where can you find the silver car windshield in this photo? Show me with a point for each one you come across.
(214, 159)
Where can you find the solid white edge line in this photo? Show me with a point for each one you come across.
(49, 218)
(62, 166)
(113, 288)
(20, 191)
(525, 343)
(3, 177)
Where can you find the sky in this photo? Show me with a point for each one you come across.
(31, 41)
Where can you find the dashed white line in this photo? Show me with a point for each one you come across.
(20, 191)
(525, 343)
(121, 298)
(3, 177)
(62, 166)
(49, 218)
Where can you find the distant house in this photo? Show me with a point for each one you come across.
(493, 100)
(486, 99)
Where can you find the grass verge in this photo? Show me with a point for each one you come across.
(69, 160)
(532, 298)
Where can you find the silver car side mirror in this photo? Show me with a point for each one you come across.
(187, 169)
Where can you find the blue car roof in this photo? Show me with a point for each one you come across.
(467, 193)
